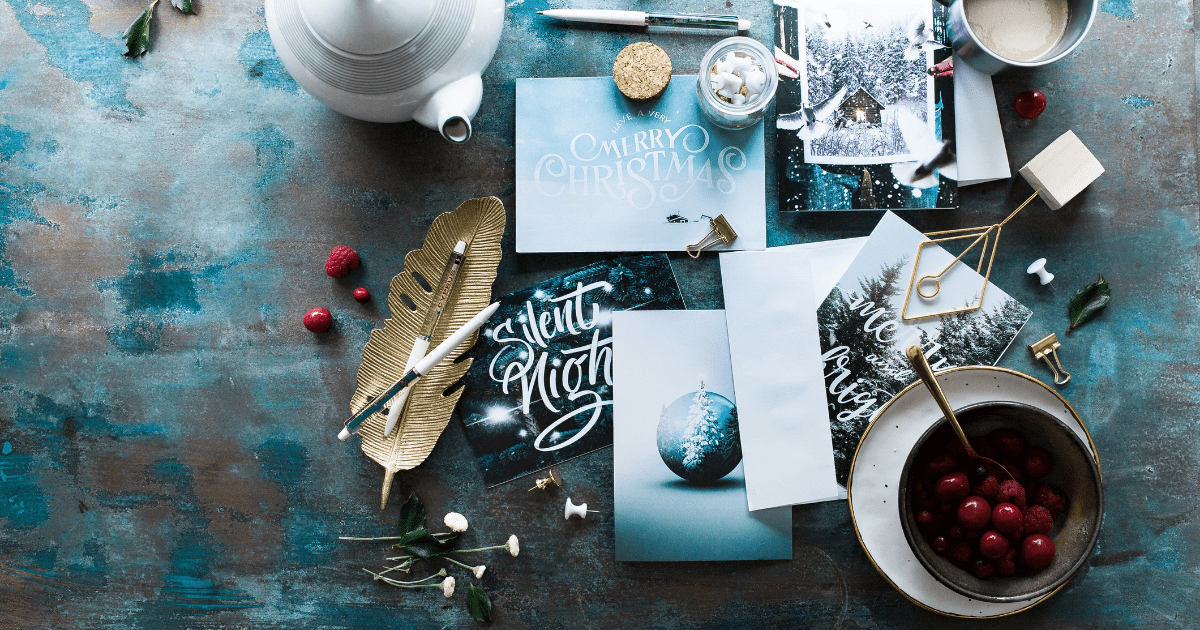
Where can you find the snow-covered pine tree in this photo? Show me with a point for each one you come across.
(703, 433)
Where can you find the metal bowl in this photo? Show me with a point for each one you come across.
(1075, 473)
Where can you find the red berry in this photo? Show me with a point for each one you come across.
(983, 570)
(956, 531)
(1050, 498)
(940, 465)
(1005, 566)
(1038, 520)
(1014, 469)
(993, 544)
(1010, 443)
(974, 513)
(940, 544)
(1030, 104)
(362, 294)
(961, 552)
(952, 487)
(1037, 463)
(1007, 518)
(1011, 492)
(318, 320)
(341, 261)
(986, 488)
(1037, 552)
(924, 519)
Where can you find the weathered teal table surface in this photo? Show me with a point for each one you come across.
(174, 463)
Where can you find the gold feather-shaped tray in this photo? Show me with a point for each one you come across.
(480, 223)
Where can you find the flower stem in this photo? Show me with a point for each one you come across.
(480, 549)
(413, 584)
(465, 566)
(379, 538)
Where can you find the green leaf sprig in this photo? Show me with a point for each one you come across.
(1088, 302)
(416, 543)
(137, 36)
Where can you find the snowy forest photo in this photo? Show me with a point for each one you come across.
(863, 336)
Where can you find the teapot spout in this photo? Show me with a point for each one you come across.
(450, 109)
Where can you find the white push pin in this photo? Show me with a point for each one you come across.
(1039, 267)
(576, 510)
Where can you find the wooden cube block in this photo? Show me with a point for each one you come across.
(1062, 170)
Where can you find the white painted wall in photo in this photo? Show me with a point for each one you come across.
(659, 357)
(776, 358)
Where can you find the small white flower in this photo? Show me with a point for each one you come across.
(514, 545)
(456, 522)
(448, 586)
(479, 571)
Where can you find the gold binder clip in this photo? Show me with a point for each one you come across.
(541, 484)
(721, 232)
(1043, 350)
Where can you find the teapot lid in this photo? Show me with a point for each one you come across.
(367, 27)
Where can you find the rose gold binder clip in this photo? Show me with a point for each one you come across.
(721, 232)
(1045, 349)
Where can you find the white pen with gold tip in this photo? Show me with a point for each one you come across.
(420, 369)
(683, 21)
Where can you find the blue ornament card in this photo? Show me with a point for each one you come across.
(540, 389)
(679, 485)
(597, 172)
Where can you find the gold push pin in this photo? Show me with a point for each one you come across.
(542, 484)
(1046, 348)
(721, 232)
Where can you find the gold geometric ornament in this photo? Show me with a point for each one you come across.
(480, 223)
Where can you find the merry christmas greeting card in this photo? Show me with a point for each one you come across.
(863, 334)
(679, 487)
(540, 389)
(597, 172)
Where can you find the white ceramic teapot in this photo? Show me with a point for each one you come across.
(391, 60)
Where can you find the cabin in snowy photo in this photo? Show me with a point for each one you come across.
(861, 108)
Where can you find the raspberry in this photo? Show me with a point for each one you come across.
(362, 294)
(986, 488)
(974, 513)
(341, 261)
(1038, 520)
(1007, 518)
(952, 487)
(940, 465)
(1011, 492)
(960, 552)
(318, 320)
(1005, 565)
(993, 544)
(1014, 469)
(1037, 463)
(983, 570)
(1037, 552)
(1050, 498)
(1010, 443)
(940, 544)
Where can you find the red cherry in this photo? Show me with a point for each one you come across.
(924, 519)
(974, 513)
(1030, 104)
(1011, 443)
(940, 544)
(362, 294)
(318, 320)
(1038, 463)
(1037, 552)
(993, 544)
(940, 465)
(952, 487)
(1007, 518)
(983, 570)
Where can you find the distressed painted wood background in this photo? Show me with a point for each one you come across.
(173, 457)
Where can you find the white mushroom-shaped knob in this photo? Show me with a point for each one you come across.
(726, 82)
(576, 510)
(1039, 267)
(755, 80)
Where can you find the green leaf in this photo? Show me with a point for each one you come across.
(137, 36)
(412, 515)
(425, 545)
(183, 5)
(479, 604)
(1088, 302)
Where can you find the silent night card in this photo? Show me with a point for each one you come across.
(865, 117)
(540, 389)
(679, 488)
(863, 335)
(597, 172)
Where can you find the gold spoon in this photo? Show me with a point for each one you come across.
(925, 373)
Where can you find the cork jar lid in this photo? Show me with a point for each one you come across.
(642, 71)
